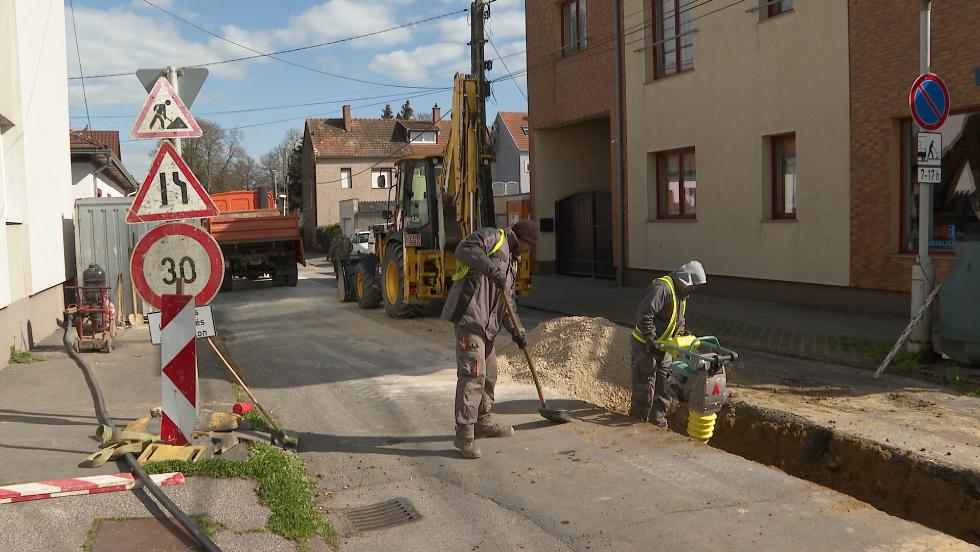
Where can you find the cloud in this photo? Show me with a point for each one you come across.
(102, 93)
(503, 23)
(445, 58)
(341, 18)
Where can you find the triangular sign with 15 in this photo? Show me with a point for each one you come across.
(164, 115)
(170, 191)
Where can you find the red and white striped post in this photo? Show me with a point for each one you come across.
(178, 361)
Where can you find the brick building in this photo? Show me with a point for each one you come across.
(571, 73)
(884, 61)
(809, 95)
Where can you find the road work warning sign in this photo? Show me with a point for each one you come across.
(164, 115)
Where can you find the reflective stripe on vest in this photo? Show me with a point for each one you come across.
(671, 331)
(462, 270)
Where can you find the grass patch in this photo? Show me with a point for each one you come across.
(282, 485)
(92, 533)
(22, 357)
(209, 525)
(255, 417)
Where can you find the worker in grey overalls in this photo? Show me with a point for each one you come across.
(659, 318)
(487, 269)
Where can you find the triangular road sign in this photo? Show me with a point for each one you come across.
(164, 115)
(170, 191)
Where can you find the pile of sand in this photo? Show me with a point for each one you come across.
(581, 357)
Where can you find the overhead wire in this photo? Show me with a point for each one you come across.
(275, 56)
(74, 28)
(296, 49)
(609, 43)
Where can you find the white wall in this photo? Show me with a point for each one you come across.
(44, 120)
(85, 184)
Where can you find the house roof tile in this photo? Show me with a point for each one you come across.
(515, 122)
(372, 138)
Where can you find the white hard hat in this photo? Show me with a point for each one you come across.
(691, 274)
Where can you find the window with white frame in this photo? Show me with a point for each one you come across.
(380, 178)
(423, 137)
(345, 178)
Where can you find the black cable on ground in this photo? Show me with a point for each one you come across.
(102, 413)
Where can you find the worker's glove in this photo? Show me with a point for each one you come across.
(520, 340)
(652, 348)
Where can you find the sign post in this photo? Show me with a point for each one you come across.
(929, 103)
(176, 266)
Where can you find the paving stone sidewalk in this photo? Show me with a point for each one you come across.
(849, 338)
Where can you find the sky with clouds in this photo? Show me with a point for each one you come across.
(263, 95)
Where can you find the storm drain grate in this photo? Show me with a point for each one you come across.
(381, 515)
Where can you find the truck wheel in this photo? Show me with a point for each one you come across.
(343, 293)
(226, 281)
(368, 285)
(393, 284)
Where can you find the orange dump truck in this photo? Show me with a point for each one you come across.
(255, 238)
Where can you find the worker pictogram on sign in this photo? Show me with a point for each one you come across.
(178, 363)
(170, 191)
(177, 252)
(164, 115)
(929, 101)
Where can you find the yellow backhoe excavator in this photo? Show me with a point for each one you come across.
(438, 200)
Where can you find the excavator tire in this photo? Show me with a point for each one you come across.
(393, 284)
(368, 284)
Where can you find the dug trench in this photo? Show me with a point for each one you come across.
(587, 359)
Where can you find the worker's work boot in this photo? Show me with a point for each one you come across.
(487, 427)
(465, 443)
(659, 420)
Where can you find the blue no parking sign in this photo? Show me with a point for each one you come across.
(929, 101)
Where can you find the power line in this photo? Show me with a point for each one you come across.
(297, 49)
(388, 99)
(608, 43)
(517, 84)
(74, 28)
(266, 108)
(276, 57)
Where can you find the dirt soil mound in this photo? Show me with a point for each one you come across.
(582, 357)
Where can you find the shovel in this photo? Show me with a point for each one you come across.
(550, 414)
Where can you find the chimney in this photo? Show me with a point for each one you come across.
(347, 124)
(436, 113)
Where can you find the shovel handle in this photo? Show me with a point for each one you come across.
(241, 383)
(530, 363)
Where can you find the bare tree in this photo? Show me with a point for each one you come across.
(274, 163)
(214, 157)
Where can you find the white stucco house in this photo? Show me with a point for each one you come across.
(96, 165)
(36, 198)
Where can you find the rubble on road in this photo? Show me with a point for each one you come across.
(582, 357)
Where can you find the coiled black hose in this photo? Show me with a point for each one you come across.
(102, 413)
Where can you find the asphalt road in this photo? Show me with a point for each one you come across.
(372, 400)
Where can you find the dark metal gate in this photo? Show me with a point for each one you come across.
(584, 227)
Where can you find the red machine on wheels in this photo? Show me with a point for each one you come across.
(92, 313)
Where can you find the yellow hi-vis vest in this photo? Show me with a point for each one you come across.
(462, 270)
(671, 331)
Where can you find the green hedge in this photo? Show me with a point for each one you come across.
(323, 234)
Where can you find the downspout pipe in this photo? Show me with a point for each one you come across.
(618, 144)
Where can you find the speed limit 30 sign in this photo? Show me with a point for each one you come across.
(172, 252)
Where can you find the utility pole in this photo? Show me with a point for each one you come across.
(479, 12)
(923, 274)
(618, 147)
(175, 83)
